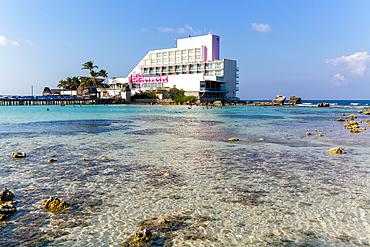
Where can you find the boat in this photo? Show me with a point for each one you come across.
(279, 99)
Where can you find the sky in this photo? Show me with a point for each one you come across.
(309, 49)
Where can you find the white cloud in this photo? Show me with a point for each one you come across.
(339, 80)
(263, 28)
(356, 62)
(165, 29)
(180, 30)
(4, 41)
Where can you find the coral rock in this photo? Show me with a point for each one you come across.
(6, 195)
(233, 139)
(6, 210)
(54, 204)
(338, 150)
(16, 155)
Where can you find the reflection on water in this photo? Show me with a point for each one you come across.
(182, 168)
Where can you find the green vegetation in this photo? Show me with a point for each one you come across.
(144, 95)
(178, 95)
(93, 81)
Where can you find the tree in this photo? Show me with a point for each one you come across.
(178, 95)
(62, 84)
(93, 74)
(89, 65)
(86, 81)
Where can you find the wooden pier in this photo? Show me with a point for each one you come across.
(35, 101)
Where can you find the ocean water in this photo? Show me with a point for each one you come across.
(284, 190)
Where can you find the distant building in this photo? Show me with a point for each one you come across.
(193, 65)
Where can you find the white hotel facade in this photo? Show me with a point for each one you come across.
(193, 65)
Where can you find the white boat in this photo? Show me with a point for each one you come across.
(279, 99)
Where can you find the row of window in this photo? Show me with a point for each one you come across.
(180, 71)
(192, 67)
(178, 56)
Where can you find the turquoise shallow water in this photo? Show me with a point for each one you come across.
(253, 192)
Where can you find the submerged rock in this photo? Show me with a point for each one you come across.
(52, 160)
(54, 204)
(6, 210)
(6, 195)
(104, 159)
(16, 155)
(140, 239)
(338, 150)
(323, 105)
(233, 139)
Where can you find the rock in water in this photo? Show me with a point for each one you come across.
(294, 100)
(6, 195)
(54, 204)
(139, 239)
(233, 139)
(338, 150)
(16, 155)
(6, 210)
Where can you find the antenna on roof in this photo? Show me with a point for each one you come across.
(209, 33)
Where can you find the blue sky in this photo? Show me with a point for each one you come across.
(310, 49)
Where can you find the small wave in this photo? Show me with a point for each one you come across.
(355, 103)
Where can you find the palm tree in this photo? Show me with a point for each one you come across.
(89, 65)
(62, 84)
(75, 82)
(86, 81)
(103, 73)
(93, 74)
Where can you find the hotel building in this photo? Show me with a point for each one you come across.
(194, 65)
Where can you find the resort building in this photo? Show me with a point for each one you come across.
(194, 65)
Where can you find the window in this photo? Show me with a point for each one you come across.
(165, 60)
(191, 52)
(164, 54)
(171, 59)
(171, 53)
(198, 50)
(178, 53)
(185, 67)
(178, 68)
(178, 60)
(191, 58)
(200, 66)
(159, 55)
(218, 65)
(153, 61)
(171, 68)
(218, 72)
(193, 67)
(141, 70)
(159, 60)
(209, 72)
(184, 52)
(184, 59)
(199, 57)
(209, 66)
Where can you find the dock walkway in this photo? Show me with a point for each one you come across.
(35, 101)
